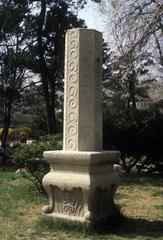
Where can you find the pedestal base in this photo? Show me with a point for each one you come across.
(80, 185)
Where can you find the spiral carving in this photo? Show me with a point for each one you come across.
(73, 53)
(69, 202)
(72, 117)
(72, 130)
(71, 135)
(72, 91)
(72, 78)
(73, 34)
(73, 67)
(71, 144)
(69, 208)
(87, 75)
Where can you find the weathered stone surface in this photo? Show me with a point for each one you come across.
(80, 185)
(82, 182)
(83, 91)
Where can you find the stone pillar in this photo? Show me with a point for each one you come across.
(83, 91)
(81, 183)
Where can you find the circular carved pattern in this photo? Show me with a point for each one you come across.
(73, 66)
(72, 91)
(68, 208)
(72, 78)
(72, 102)
(73, 54)
(72, 117)
(72, 130)
(71, 144)
(72, 43)
(73, 34)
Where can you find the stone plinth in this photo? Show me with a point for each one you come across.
(81, 183)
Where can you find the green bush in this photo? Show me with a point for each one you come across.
(30, 158)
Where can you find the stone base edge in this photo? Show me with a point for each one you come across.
(68, 219)
(89, 158)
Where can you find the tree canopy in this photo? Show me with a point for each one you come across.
(32, 46)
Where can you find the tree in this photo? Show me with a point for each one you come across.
(126, 126)
(122, 87)
(49, 26)
(136, 28)
(30, 110)
(12, 59)
(33, 41)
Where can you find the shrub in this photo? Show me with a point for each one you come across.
(30, 157)
(20, 134)
(138, 135)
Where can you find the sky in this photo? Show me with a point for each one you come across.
(92, 16)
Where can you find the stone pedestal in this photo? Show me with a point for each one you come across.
(81, 183)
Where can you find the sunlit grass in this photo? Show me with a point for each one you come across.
(140, 201)
(141, 197)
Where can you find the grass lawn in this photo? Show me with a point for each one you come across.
(140, 200)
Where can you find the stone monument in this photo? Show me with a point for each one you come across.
(81, 183)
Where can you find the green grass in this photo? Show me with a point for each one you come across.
(140, 200)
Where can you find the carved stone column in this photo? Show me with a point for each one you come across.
(81, 183)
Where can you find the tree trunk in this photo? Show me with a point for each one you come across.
(132, 93)
(6, 126)
(44, 73)
(159, 49)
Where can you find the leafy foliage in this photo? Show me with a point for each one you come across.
(137, 134)
(127, 126)
(49, 26)
(30, 157)
(12, 54)
(32, 46)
